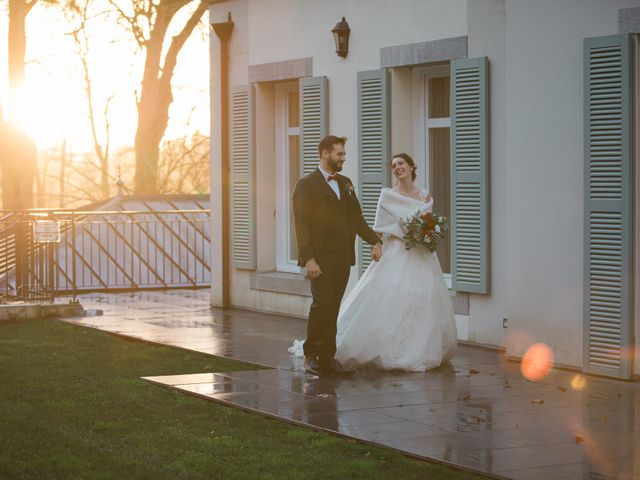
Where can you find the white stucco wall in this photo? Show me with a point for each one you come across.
(544, 177)
(267, 31)
(536, 135)
(487, 38)
(302, 28)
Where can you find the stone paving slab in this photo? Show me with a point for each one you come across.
(16, 311)
(477, 412)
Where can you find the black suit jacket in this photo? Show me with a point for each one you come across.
(325, 226)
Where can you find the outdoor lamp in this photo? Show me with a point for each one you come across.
(341, 35)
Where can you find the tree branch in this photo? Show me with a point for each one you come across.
(29, 5)
(179, 40)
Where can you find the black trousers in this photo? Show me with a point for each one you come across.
(327, 291)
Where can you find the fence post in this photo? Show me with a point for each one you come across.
(22, 261)
(50, 268)
(133, 283)
(73, 256)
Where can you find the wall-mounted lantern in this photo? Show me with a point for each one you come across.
(341, 35)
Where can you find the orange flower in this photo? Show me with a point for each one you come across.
(429, 221)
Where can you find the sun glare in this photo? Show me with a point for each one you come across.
(52, 105)
(41, 118)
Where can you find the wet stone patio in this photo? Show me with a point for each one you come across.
(477, 413)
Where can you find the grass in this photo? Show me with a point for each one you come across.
(72, 405)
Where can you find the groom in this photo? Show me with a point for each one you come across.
(327, 219)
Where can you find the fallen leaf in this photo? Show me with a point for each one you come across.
(537, 401)
(476, 419)
(579, 439)
(562, 389)
(465, 397)
(473, 372)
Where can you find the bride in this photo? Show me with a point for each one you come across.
(399, 315)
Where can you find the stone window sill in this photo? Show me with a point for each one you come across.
(298, 284)
(281, 282)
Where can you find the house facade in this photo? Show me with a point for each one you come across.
(520, 116)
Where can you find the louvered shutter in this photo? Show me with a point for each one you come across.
(243, 211)
(470, 175)
(373, 146)
(608, 247)
(314, 120)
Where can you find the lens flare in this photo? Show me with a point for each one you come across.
(537, 362)
(578, 382)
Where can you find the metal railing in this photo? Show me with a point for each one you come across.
(44, 253)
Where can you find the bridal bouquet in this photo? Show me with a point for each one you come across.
(424, 229)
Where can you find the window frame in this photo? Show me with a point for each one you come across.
(282, 132)
(421, 124)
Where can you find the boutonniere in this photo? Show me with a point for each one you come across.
(350, 189)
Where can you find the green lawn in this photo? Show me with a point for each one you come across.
(72, 405)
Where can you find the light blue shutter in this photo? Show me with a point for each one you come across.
(314, 120)
(243, 210)
(470, 175)
(373, 146)
(608, 246)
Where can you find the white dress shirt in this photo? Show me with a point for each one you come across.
(333, 183)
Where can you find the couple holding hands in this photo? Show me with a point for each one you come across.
(399, 315)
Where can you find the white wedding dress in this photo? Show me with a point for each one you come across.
(399, 315)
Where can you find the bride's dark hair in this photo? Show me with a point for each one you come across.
(409, 160)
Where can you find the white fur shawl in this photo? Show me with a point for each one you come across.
(394, 207)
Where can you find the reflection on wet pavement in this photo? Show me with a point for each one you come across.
(477, 412)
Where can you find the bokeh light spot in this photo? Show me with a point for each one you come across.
(578, 382)
(537, 362)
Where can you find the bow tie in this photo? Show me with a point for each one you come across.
(332, 177)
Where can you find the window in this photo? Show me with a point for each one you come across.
(432, 126)
(287, 144)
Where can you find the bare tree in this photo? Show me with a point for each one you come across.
(184, 165)
(62, 175)
(101, 141)
(149, 21)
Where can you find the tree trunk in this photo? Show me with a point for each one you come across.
(156, 97)
(63, 173)
(17, 48)
(18, 153)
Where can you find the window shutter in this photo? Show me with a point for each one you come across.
(314, 120)
(608, 247)
(470, 175)
(373, 146)
(243, 210)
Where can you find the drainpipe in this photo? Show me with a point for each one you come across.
(223, 31)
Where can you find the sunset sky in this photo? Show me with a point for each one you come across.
(54, 97)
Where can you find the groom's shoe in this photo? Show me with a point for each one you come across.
(334, 367)
(312, 366)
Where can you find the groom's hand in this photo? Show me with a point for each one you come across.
(313, 269)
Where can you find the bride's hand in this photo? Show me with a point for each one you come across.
(376, 251)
